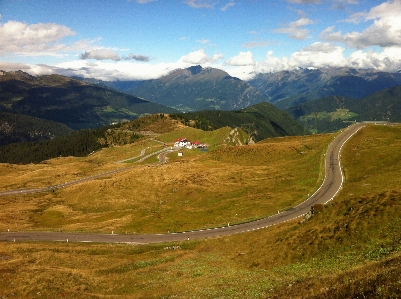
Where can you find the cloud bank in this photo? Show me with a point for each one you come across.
(243, 66)
(33, 40)
(107, 54)
(384, 32)
(377, 46)
(295, 29)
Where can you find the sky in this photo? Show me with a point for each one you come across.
(146, 39)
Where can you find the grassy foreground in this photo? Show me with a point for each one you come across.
(350, 249)
(199, 190)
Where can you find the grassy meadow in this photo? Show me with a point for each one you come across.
(231, 184)
(350, 249)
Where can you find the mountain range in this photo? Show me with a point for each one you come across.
(68, 101)
(286, 89)
(193, 89)
(197, 88)
(322, 99)
(335, 112)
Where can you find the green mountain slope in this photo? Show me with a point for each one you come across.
(290, 88)
(22, 128)
(68, 101)
(260, 121)
(382, 105)
(334, 112)
(198, 88)
(78, 143)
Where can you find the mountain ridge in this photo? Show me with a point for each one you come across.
(69, 101)
(291, 88)
(197, 88)
(335, 112)
(191, 89)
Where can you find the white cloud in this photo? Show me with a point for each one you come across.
(317, 55)
(108, 70)
(241, 72)
(243, 59)
(341, 4)
(40, 39)
(200, 57)
(201, 3)
(101, 54)
(137, 57)
(121, 70)
(388, 60)
(320, 55)
(295, 29)
(228, 5)
(107, 64)
(10, 66)
(384, 32)
(33, 69)
(108, 54)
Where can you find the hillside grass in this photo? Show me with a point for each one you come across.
(213, 138)
(350, 249)
(197, 191)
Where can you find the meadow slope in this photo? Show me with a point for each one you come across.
(350, 248)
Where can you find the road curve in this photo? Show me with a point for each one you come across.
(162, 158)
(328, 190)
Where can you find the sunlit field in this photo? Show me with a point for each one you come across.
(350, 249)
(195, 191)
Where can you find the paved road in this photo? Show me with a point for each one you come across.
(162, 159)
(327, 191)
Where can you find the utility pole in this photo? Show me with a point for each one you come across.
(303, 135)
(314, 137)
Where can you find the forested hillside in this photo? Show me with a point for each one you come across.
(335, 112)
(22, 128)
(78, 143)
(259, 121)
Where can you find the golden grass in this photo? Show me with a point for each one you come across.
(199, 190)
(350, 249)
(215, 137)
(66, 169)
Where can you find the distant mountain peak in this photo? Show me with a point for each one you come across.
(196, 69)
(197, 88)
(19, 75)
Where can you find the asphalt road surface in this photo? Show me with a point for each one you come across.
(328, 190)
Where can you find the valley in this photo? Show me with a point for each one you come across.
(101, 214)
(355, 233)
(200, 149)
(332, 183)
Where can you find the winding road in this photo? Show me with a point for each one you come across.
(328, 190)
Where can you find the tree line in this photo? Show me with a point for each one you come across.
(78, 144)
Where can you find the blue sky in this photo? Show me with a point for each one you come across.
(145, 39)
